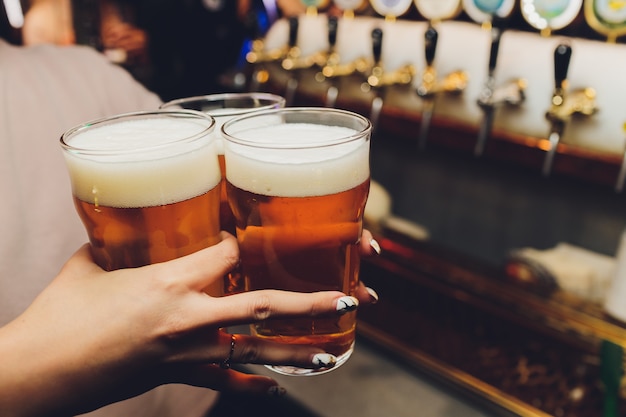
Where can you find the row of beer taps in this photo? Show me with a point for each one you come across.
(564, 104)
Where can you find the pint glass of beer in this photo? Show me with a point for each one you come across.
(223, 107)
(297, 181)
(146, 185)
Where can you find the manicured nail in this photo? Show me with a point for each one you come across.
(346, 304)
(374, 244)
(373, 294)
(324, 360)
(276, 391)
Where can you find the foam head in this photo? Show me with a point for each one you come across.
(297, 152)
(142, 159)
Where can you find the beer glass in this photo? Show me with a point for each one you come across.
(146, 186)
(297, 181)
(223, 107)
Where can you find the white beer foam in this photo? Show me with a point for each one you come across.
(141, 169)
(223, 115)
(287, 172)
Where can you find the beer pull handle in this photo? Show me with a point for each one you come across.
(292, 57)
(332, 59)
(430, 45)
(426, 90)
(333, 25)
(556, 115)
(497, 29)
(377, 45)
(376, 76)
(293, 31)
(486, 99)
(562, 56)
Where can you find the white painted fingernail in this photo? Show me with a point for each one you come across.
(346, 304)
(373, 294)
(324, 360)
(374, 244)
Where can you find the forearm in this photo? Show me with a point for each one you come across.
(25, 376)
(40, 377)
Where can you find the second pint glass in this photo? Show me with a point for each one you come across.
(297, 181)
(146, 186)
(223, 107)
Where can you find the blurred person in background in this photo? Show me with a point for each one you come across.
(176, 48)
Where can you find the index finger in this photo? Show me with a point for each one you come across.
(249, 307)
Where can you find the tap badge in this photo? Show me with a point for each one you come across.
(391, 8)
(550, 14)
(482, 11)
(607, 17)
(437, 10)
(349, 4)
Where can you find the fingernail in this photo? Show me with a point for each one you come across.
(373, 294)
(276, 391)
(324, 360)
(374, 244)
(346, 304)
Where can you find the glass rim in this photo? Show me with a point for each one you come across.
(198, 115)
(359, 134)
(273, 101)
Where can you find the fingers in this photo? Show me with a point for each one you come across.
(244, 349)
(259, 305)
(228, 380)
(202, 268)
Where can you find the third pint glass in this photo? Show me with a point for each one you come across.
(297, 181)
(223, 107)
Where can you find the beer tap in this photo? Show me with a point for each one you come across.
(563, 106)
(332, 68)
(293, 60)
(377, 102)
(430, 87)
(379, 79)
(491, 97)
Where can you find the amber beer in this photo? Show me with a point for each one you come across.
(146, 185)
(297, 182)
(223, 107)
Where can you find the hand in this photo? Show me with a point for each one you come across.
(94, 337)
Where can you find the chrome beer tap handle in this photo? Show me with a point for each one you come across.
(564, 105)
(378, 77)
(376, 72)
(330, 60)
(332, 67)
(487, 99)
(375, 76)
(556, 114)
(426, 90)
(292, 59)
